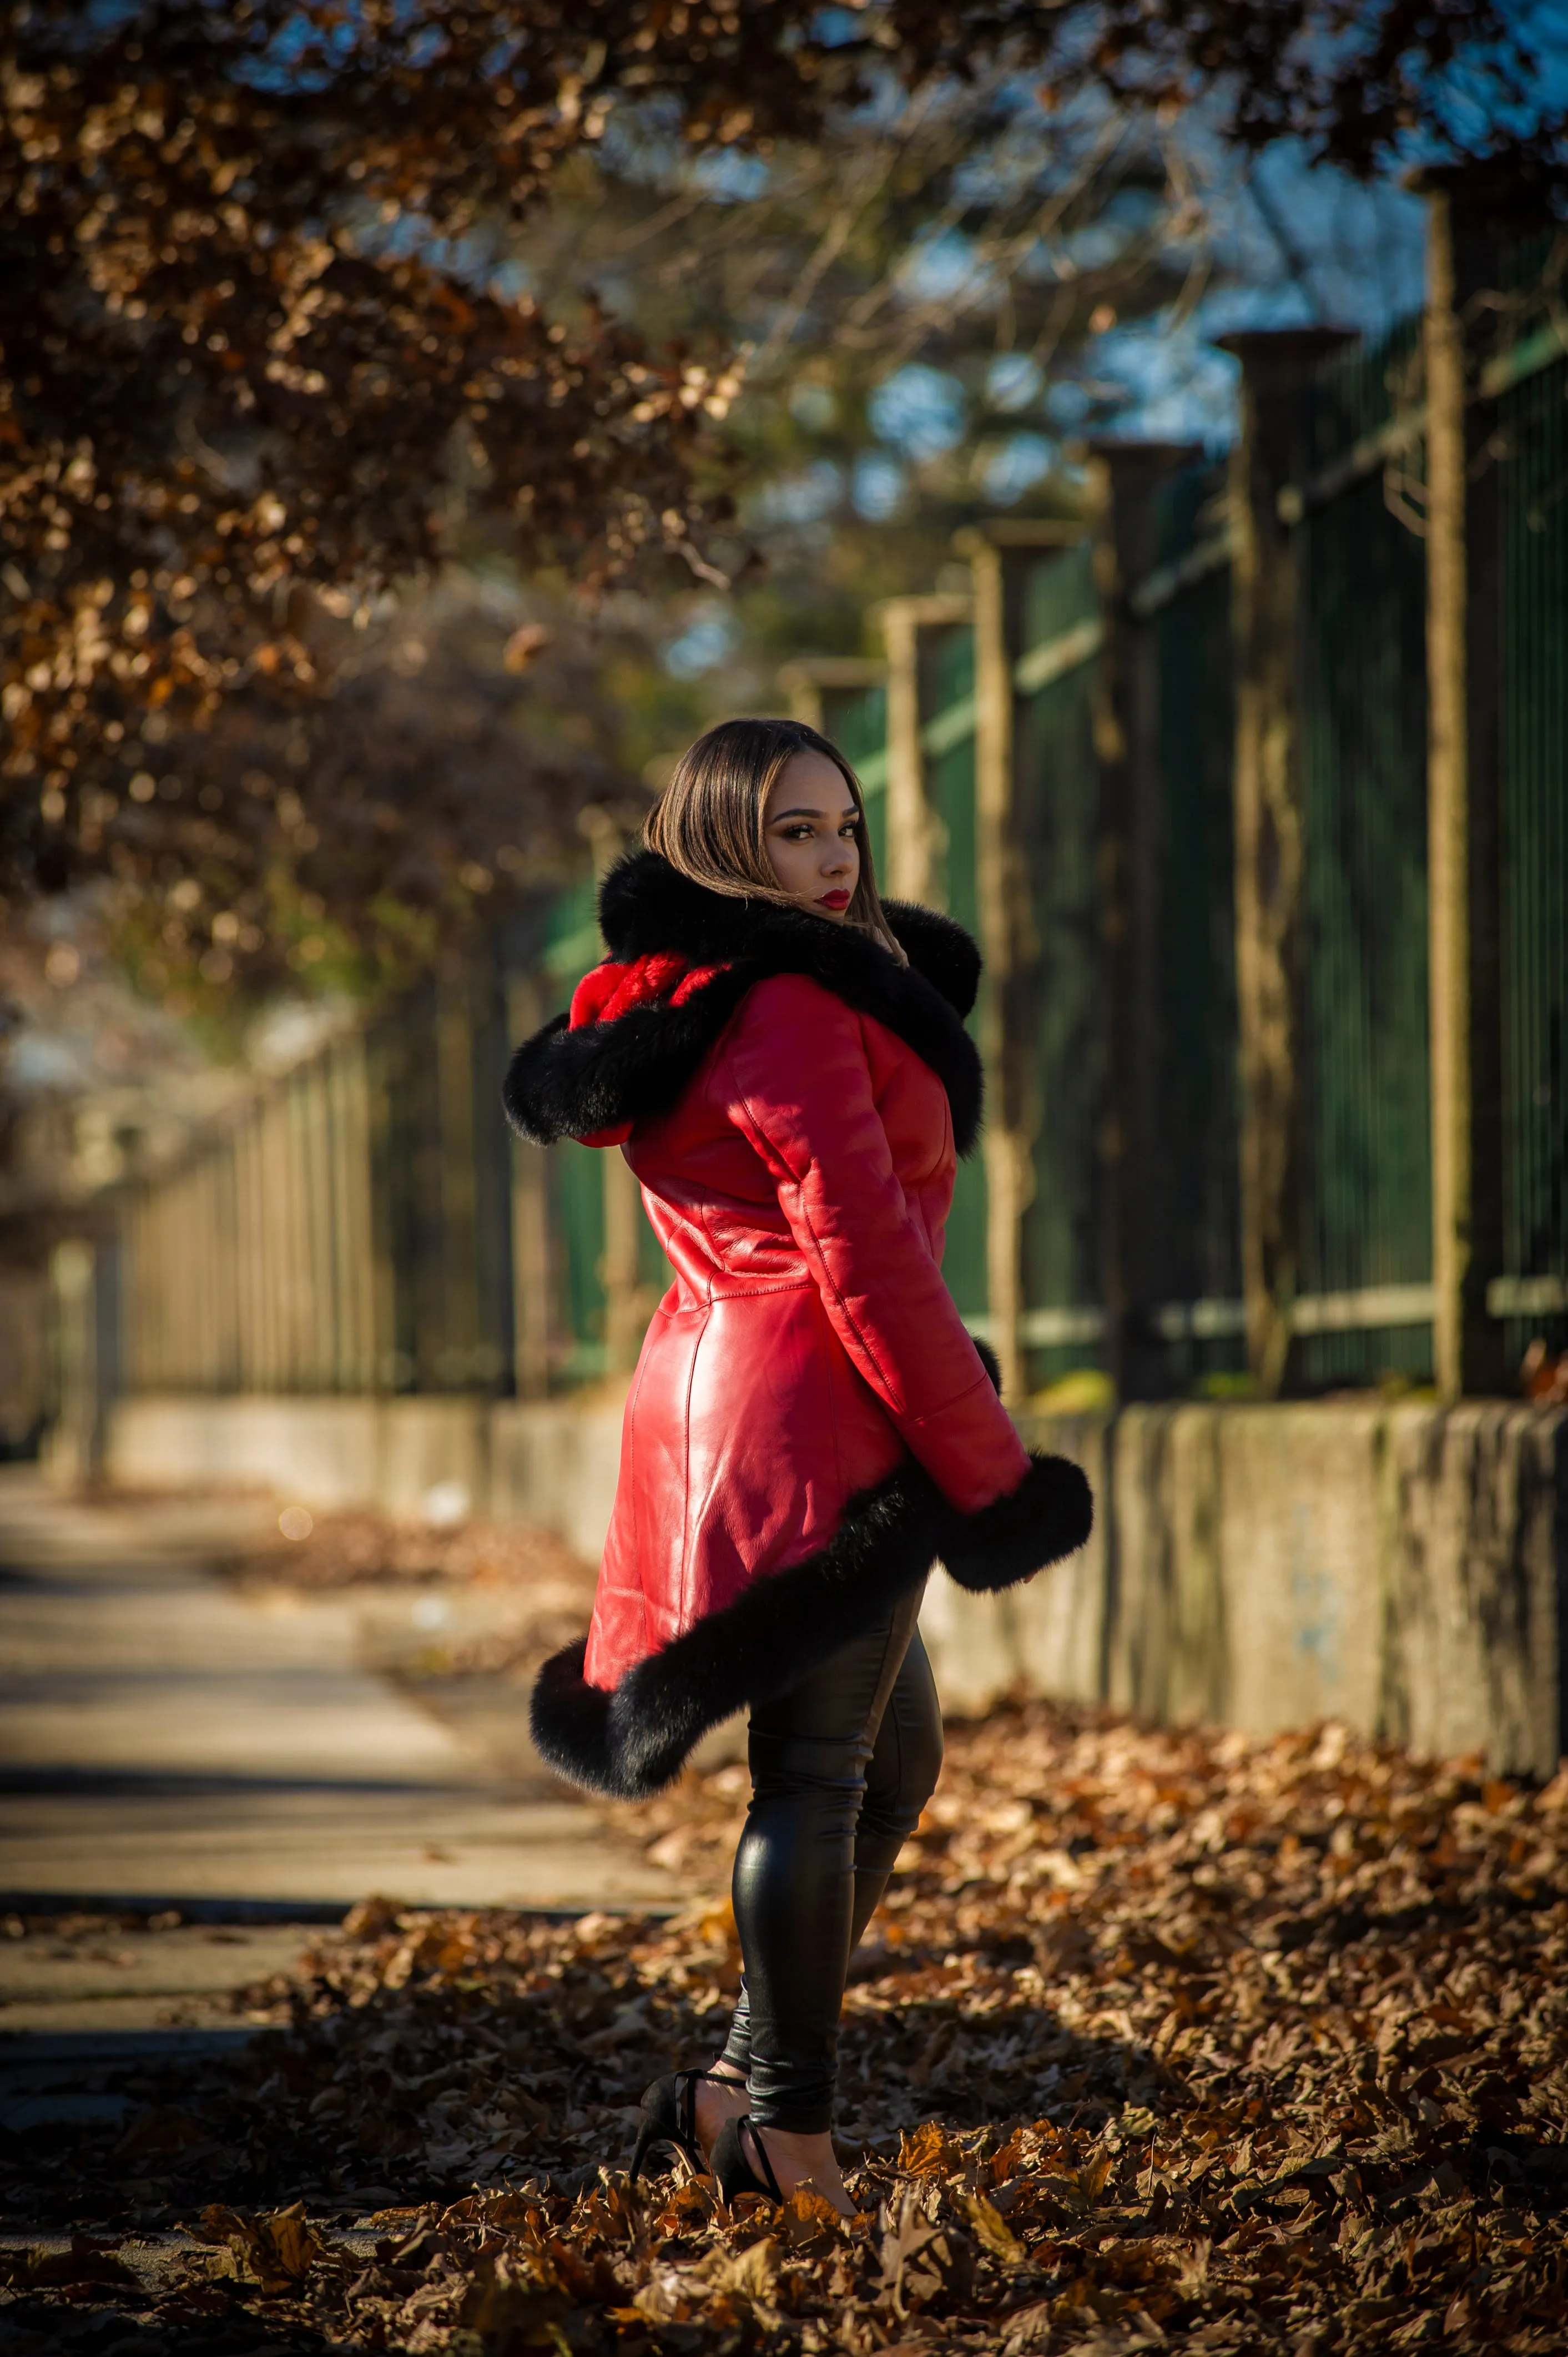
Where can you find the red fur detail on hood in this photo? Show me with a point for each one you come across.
(609, 990)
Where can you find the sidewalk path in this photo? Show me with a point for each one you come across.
(166, 1743)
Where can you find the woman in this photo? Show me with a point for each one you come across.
(784, 1064)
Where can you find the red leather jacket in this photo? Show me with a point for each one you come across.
(809, 1423)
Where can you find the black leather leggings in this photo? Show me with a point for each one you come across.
(841, 1767)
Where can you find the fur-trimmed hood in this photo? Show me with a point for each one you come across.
(582, 1080)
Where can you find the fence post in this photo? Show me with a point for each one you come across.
(455, 1179)
(76, 1443)
(808, 681)
(1463, 785)
(321, 1333)
(1124, 477)
(531, 1284)
(1001, 892)
(362, 1373)
(1270, 454)
(382, 1052)
(911, 865)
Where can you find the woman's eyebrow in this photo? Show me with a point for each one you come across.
(849, 811)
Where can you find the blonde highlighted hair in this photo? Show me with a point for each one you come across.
(708, 822)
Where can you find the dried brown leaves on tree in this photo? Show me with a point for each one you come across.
(242, 361)
(341, 839)
(248, 353)
(1163, 2041)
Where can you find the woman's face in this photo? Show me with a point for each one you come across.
(812, 828)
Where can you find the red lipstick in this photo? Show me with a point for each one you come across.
(837, 898)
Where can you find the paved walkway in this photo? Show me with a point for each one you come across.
(167, 1744)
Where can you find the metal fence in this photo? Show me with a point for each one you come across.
(366, 1225)
(1533, 430)
(1366, 1235)
(1057, 1006)
(1194, 1063)
(1364, 1310)
(349, 1231)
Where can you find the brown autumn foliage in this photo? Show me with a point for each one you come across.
(341, 840)
(250, 357)
(1165, 2040)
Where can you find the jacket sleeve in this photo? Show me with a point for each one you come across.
(798, 1087)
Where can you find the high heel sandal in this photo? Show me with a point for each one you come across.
(670, 2114)
(734, 2172)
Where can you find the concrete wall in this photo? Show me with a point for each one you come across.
(555, 1462)
(332, 1452)
(1402, 1567)
(1049, 1636)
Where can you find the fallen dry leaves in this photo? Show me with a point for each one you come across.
(354, 1546)
(1165, 2040)
(541, 1592)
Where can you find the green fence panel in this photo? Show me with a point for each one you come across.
(576, 1187)
(1057, 815)
(654, 1273)
(577, 1238)
(947, 716)
(1367, 1219)
(1197, 1176)
(1533, 495)
(1364, 1068)
(856, 720)
(575, 1183)
(572, 941)
(438, 1165)
(1357, 390)
(440, 1172)
(1056, 595)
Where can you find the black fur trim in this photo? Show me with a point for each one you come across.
(634, 1739)
(989, 1362)
(565, 1083)
(938, 948)
(1048, 1516)
(645, 905)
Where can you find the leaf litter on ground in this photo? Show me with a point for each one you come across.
(534, 1593)
(1163, 2039)
(358, 1546)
